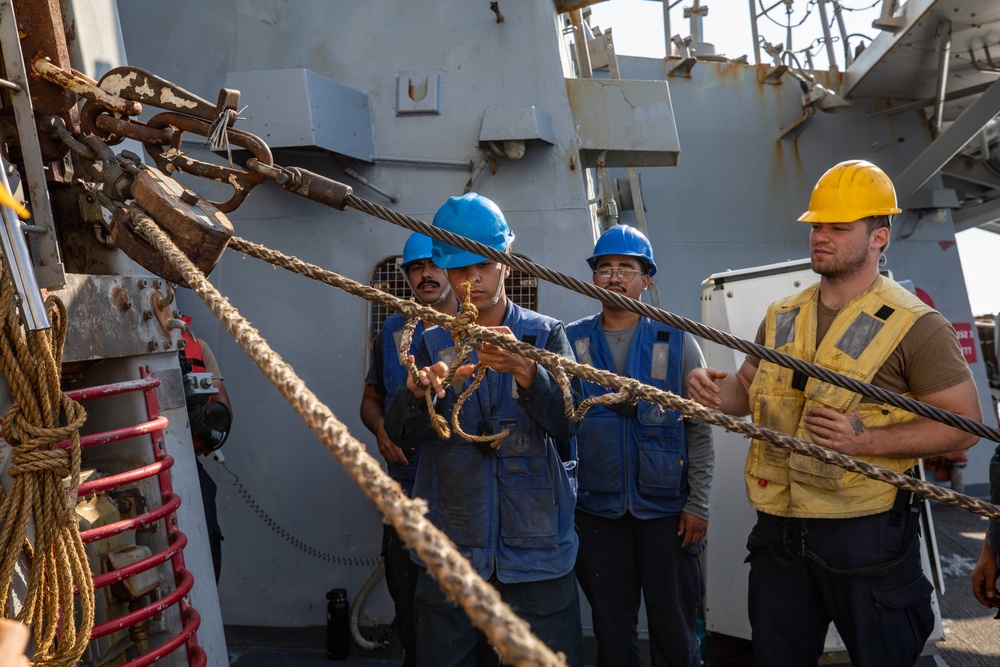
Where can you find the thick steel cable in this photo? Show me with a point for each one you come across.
(507, 632)
(628, 386)
(677, 321)
(683, 323)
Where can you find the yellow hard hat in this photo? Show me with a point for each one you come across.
(851, 191)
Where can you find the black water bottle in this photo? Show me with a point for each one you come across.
(337, 624)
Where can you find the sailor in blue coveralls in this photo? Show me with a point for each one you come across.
(386, 376)
(508, 510)
(645, 473)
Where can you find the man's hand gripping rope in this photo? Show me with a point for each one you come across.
(467, 337)
(464, 344)
(556, 364)
(630, 390)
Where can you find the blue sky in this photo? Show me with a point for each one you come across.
(637, 27)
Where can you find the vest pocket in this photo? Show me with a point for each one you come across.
(653, 417)
(660, 451)
(766, 461)
(461, 507)
(807, 470)
(528, 512)
(660, 470)
(600, 450)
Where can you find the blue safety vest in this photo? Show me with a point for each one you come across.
(632, 463)
(510, 511)
(394, 379)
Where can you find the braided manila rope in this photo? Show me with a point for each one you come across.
(684, 324)
(464, 344)
(510, 635)
(56, 559)
(628, 389)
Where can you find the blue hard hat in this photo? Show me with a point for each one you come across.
(624, 240)
(417, 247)
(474, 217)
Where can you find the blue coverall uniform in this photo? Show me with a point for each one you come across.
(389, 376)
(510, 510)
(633, 478)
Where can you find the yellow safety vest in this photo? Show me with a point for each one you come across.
(861, 338)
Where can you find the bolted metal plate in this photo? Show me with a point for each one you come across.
(113, 316)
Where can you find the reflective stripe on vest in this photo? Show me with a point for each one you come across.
(861, 338)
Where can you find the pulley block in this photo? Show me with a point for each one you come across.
(199, 229)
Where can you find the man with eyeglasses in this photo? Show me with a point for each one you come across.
(645, 473)
(508, 509)
(386, 376)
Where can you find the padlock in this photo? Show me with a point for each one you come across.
(197, 228)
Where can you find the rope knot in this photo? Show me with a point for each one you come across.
(28, 461)
(461, 329)
(630, 391)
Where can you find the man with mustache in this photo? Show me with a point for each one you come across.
(508, 508)
(645, 473)
(830, 544)
(386, 376)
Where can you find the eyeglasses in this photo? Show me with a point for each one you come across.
(625, 273)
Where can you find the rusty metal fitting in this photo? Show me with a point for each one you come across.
(229, 100)
(318, 188)
(55, 126)
(172, 157)
(116, 181)
(83, 86)
(278, 174)
(124, 128)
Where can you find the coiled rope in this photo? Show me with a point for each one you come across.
(510, 635)
(40, 416)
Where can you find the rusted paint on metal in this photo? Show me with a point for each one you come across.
(130, 129)
(173, 157)
(787, 169)
(137, 84)
(41, 30)
(82, 85)
(100, 324)
(119, 296)
(728, 71)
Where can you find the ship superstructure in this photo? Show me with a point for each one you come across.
(411, 103)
